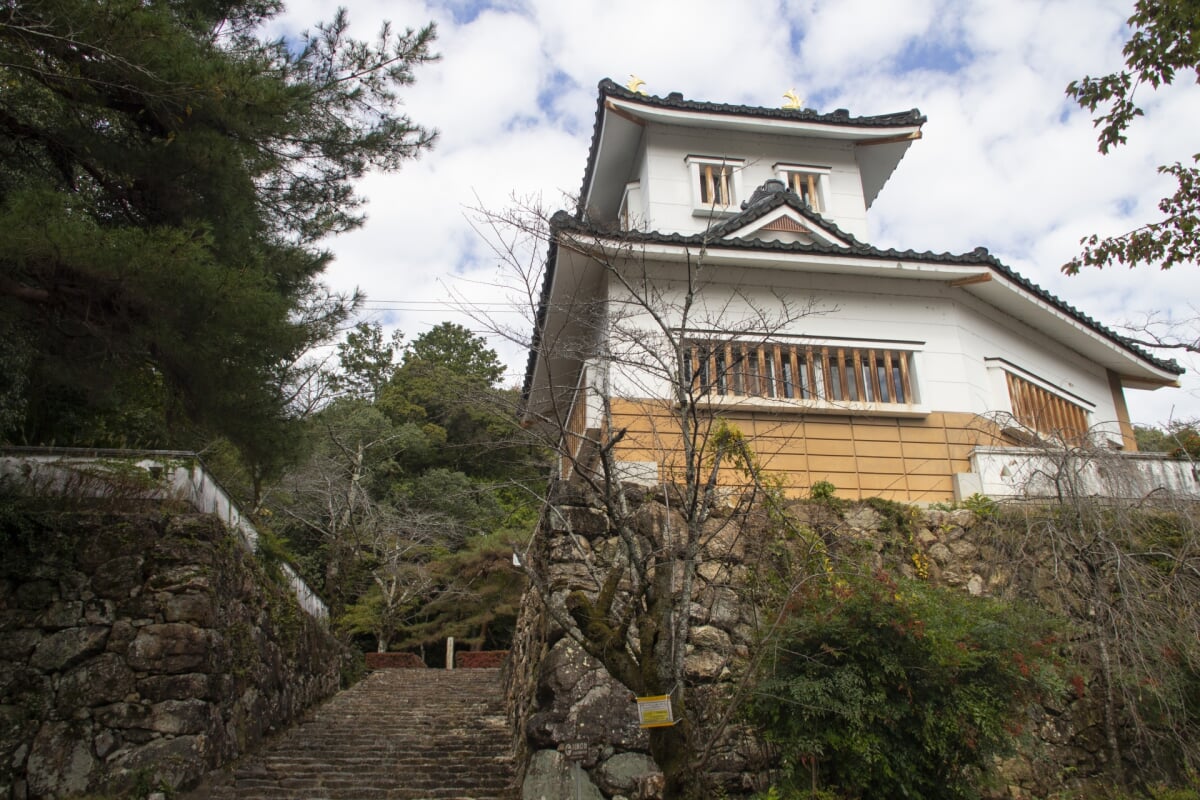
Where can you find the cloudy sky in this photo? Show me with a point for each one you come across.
(1006, 162)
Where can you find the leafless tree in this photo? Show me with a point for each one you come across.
(1128, 573)
(364, 539)
(1162, 332)
(624, 350)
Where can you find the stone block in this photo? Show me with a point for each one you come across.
(963, 549)
(123, 715)
(190, 607)
(16, 645)
(545, 728)
(29, 688)
(722, 607)
(565, 547)
(709, 637)
(98, 612)
(551, 777)
(121, 635)
(940, 553)
(723, 540)
(182, 717)
(579, 520)
(705, 665)
(607, 715)
(103, 679)
(104, 743)
(183, 578)
(60, 760)
(625, 772)
(60, 650)
(652, 520)
(171, 647)
(862, 518)
(62, 614)
(117, 578)
(35, 595)
(174, 761)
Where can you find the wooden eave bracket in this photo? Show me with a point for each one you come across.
(982, 277)
(903, 137)
(622, 113)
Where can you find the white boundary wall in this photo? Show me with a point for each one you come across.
(162, 474)
(1012, 472)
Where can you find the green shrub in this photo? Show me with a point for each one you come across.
(983, 506)
(886, 688)
(822, 491)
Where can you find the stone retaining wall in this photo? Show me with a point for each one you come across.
(142, 649)
(558, 694)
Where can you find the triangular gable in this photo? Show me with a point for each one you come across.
(785, 224)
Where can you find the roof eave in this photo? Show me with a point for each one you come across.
(999, 290)
(760, 124)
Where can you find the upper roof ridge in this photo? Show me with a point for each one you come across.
(840, 116)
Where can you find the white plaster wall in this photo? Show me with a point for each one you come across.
(1021, 472)
(667, 180)
(951, 332)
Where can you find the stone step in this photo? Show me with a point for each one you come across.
(397, 735)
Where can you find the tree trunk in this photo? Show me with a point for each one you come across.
(1110, 714)
(671, 749)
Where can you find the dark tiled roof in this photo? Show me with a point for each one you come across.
(841, 117)
(756, 209)
(562, 221)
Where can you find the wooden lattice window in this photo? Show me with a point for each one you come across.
(805, 185)
(805, 182)
(714, 185)
(1046, 412)
(801, 372)
(715, 181)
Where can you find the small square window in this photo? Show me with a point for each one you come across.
(716, 183)
(807, 182)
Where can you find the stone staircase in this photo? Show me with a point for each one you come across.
(400, 734)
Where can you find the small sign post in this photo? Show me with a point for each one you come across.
(575, 751)
(655, 711)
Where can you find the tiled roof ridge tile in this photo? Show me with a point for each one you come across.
(839, 117)
(773, 201)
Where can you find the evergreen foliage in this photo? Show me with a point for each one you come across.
(166, 176)
(883, 687)
(1177, 439)
(405, 513)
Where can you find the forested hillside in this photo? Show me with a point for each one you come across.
(412, 494)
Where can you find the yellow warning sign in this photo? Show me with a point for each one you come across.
(655, 711)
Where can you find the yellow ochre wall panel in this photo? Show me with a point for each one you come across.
(896, 458)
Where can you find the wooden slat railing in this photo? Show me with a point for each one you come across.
(1046, 412)
(801, 372)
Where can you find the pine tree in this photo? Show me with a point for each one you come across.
(166, 177)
